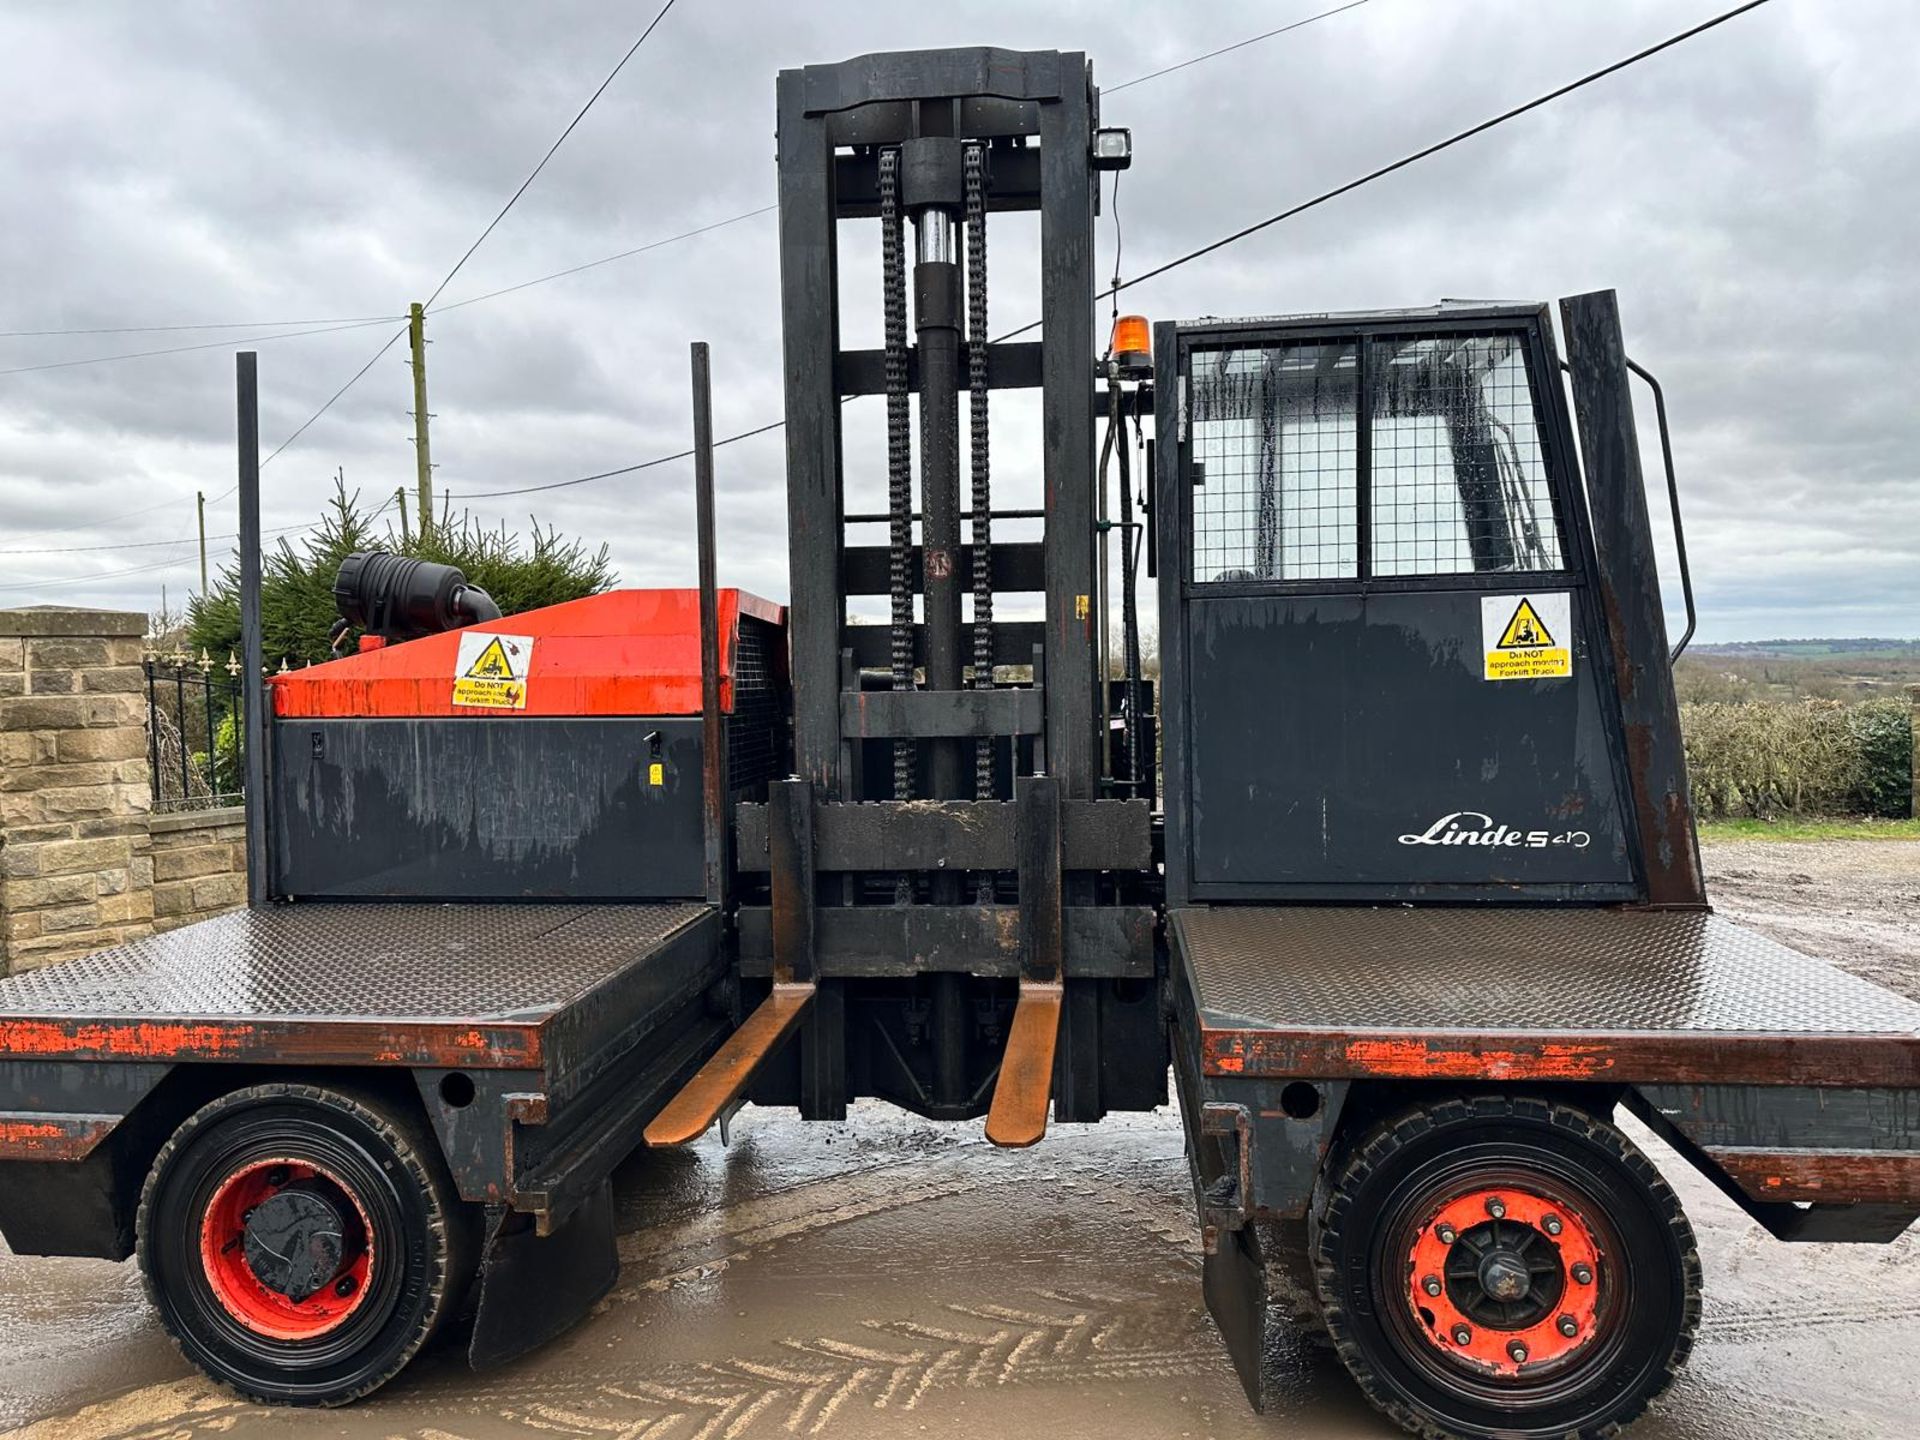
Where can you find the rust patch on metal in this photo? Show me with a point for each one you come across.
(1626, 678)
(53, 1137)
(1858, 1177)
(319, 1041)
(128, 1040)
(1417, 1058)
(1672, 1057)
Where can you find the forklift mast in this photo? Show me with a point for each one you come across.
(945, 825)
(944, 139)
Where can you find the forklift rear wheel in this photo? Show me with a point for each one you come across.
(1502, 1265)
(301, 1244)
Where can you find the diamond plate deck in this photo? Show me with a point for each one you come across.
(343, 983)
(1563, 994)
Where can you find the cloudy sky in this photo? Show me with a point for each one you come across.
(1752, 194)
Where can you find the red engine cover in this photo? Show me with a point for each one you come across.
(627, 652)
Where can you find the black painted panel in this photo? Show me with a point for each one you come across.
(487, 808)
(1326, 728)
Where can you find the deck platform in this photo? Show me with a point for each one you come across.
(1674, 997)
(503, 986)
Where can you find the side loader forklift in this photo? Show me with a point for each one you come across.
(1394, 869)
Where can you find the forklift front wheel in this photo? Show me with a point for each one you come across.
(301, 1244)
(1502, 1265)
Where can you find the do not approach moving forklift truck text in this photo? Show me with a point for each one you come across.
(1394, 869)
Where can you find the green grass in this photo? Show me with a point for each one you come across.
(1846, 828)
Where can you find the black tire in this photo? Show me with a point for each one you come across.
(404, 1215)
(1389, 1196)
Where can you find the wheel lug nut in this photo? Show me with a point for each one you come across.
(1497, 1209)
(1431, 1285)
(1517, 1353)
(1583, 1274)
(1447, 1235)
(1569, 1327)
(1462, 1335)
(1552, 1225)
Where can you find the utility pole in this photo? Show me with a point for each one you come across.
(422, 456)
(200, 503)
(400, 494)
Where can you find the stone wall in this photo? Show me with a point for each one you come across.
(78, 848)
(199, 864)
(75, 867)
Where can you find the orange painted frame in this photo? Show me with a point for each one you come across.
(627, 652)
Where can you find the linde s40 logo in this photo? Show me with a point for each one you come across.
(1475, 827)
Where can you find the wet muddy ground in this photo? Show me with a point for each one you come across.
(891, 1277)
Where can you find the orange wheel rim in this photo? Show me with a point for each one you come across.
(1505, 1282)
(235, 1278)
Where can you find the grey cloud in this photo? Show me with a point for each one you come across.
(1750, 194)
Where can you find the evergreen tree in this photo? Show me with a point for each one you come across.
(296, 581)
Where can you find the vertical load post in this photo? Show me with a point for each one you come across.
(713, 744)
(716, 1088)
(253, 662)
(1630, 595)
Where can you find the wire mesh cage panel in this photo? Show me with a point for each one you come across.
(1455, 468)
(1458, 483)
(1273, 432)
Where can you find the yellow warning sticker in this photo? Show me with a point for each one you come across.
(490, 671)
(656, 773)
(1527, 637)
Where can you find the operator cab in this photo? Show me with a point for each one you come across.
(1386, 676)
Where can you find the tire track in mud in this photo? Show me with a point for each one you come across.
(798, 1385)
(1766, 1319)
(888, 1365)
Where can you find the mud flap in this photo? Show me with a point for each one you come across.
(533, 1288)
(1261, 1298)
(1234, 1281)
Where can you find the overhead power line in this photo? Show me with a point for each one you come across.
(354, 380)
(119, 517)
(624, 470)
(1435, 149)
(1140, 279)
(1237, 235)
(146, 569)
(605, 259)
(361, 323)
(127, 544)
(176, 561)
(1229, 49)
(512, 200)
(552, 149)
(184, 349)
(618, 255)
(205, 325)
(769, 209)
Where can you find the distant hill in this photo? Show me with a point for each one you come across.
(1849, 648)
(1849, 668)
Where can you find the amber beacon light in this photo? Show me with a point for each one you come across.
(1132, 344)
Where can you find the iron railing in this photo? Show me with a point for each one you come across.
(195, 742)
